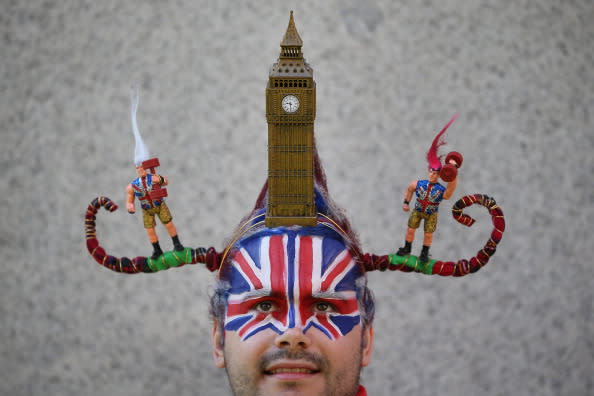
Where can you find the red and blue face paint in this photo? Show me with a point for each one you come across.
(281, 281)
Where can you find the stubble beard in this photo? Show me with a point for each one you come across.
(245, 382)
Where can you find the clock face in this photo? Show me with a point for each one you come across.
(290, 104)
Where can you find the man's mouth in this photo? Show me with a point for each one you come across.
(291, 370)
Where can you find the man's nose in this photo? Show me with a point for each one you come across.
(293, 338)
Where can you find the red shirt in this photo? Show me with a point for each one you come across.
(361, 391)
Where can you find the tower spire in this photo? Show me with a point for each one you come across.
(291, 37)
(291, 43)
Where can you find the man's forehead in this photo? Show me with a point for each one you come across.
(318, 262)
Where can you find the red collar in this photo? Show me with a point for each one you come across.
(361, 391)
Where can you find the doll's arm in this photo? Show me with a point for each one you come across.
(160, 180)
(451, 187)
(130, 199)
(408, 195)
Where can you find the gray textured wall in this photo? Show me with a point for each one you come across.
(389, 75)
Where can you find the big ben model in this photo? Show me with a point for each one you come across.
(290, 112)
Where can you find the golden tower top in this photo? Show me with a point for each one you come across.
(291, 62)
(291, 38)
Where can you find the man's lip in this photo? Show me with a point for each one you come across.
(291, 367)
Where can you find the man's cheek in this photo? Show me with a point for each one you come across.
(334, 327)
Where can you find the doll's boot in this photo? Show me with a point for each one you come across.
(157, 252)
(424, 256)
(405, 250)
(177, 246)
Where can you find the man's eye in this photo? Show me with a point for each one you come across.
(323, 307)
(264, 306)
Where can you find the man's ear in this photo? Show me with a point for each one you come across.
(367, 349)
(217, 345)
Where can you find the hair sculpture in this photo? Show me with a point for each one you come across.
(328, 214)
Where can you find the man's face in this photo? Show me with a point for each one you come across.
(140, 171)
(293, 324)
(433, 175)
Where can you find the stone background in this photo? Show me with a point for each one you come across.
(389, 76)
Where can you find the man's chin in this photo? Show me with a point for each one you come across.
(292, 384)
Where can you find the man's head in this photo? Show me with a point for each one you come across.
(140, 171)
(434, 174)
(292, 314)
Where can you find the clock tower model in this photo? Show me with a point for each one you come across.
(290, 112)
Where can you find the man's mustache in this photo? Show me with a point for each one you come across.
(283, 354)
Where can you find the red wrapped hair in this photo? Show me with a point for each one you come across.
(433, 158)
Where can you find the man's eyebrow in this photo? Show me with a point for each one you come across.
(334, 295)
(252, 294)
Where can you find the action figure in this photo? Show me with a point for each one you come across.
(147, 188)
(430, 193)
(142, 187)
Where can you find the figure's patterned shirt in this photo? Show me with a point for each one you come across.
(429, 195)
(141, 187)
(295, 273)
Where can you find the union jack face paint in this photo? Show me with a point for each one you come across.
(280, 281)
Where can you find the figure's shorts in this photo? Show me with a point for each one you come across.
(162, 211)
(430, 221)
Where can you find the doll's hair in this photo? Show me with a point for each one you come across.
(433, 159)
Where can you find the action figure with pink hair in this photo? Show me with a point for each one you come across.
(430, 193)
